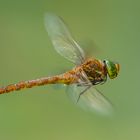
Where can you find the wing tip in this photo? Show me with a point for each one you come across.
(49, 15)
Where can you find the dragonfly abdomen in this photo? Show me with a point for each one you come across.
(66, 78)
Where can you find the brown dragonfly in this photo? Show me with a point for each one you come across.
(83, 78)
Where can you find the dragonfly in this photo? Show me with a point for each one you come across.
(83, 78)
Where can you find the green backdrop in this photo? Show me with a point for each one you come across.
(111, 27)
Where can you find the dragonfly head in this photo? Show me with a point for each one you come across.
(112, 68)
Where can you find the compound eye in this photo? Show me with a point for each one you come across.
(112, 69)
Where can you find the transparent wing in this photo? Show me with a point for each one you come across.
(91, 100)
(62, 39)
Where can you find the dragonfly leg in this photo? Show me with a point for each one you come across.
(84, 84)
(83, 92)
(105, 79)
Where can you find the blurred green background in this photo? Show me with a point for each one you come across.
(26, 53)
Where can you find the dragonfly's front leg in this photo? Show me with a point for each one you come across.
(83, 92)
(84, 84)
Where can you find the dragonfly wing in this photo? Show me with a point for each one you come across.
(91, 100)
(62, 39)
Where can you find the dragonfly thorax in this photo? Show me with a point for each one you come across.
(95, 71)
